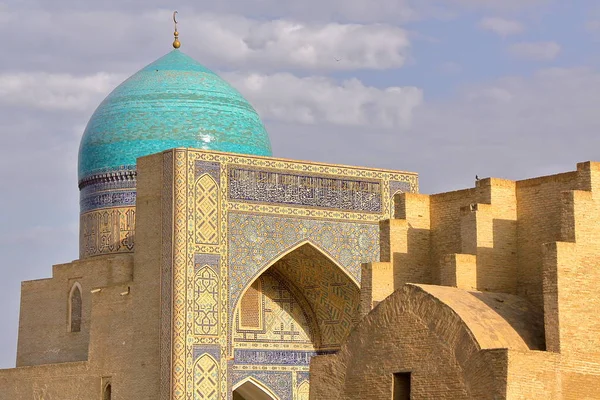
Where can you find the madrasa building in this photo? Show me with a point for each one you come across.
(209, 270)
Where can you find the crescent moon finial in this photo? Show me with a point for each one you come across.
(176, 42)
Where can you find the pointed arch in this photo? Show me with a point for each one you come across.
(275, 311)
(206, 378)
(206, 213)
(393, 203)
(75, 308)
(303, 391)
(251, 388)
(107, 392)
(332, 294)
(288, 251)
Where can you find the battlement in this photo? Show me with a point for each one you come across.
(536, 238)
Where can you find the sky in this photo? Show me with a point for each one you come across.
(445, 88)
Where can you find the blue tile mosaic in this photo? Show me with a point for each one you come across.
(277, 357)
(173, 102)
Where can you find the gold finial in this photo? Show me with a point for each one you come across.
(176, 42)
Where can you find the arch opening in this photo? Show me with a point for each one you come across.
(314, 284)
(75, 308)
(107, 395)
(252, 390)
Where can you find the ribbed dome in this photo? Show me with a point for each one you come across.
(173, 102)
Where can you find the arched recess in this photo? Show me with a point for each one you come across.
(292, 249)
(75, 308)
(330, 291)
(252, 389)
(393, 203)
(107, 393)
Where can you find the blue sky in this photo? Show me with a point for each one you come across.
(445, 88)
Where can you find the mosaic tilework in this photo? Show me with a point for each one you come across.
(278, 382)
(180, 260)
(108, 200)
(206, 302)
(106, 231)
(347, 237)
(396, 186)
(332, 295)
(214, 351)
(207, 210)
(173, 102)
(274, 187)
(206, 378)
(207, 167)
(302, 376)
(347, 243)
(284, 319)
(115, 191)
(278, 357)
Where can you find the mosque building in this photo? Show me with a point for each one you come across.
(211, 270)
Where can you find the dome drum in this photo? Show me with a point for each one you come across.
(172, 103)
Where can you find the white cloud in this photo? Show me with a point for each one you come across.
(319, 100)
(224, 40)
(288, 44)
(55, 91)
(535, 51)
(281, 97)
(501, 26)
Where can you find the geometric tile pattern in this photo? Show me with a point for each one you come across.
(332, 295)
(278, 382)
(206, 378)
(208, 167)
(206, 302)
(283, 318)
(252, 236)
(207, 210)
(396, 187)
(301, 376)
(256, 240)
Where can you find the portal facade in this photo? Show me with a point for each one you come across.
(266, 265)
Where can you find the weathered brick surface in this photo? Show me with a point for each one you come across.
(531, 249)
(436, 333)
(484, 293)
(120, 330)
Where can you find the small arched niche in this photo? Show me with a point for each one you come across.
(75, 308)
(107, 392)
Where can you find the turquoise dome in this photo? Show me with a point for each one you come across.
(173, 102)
